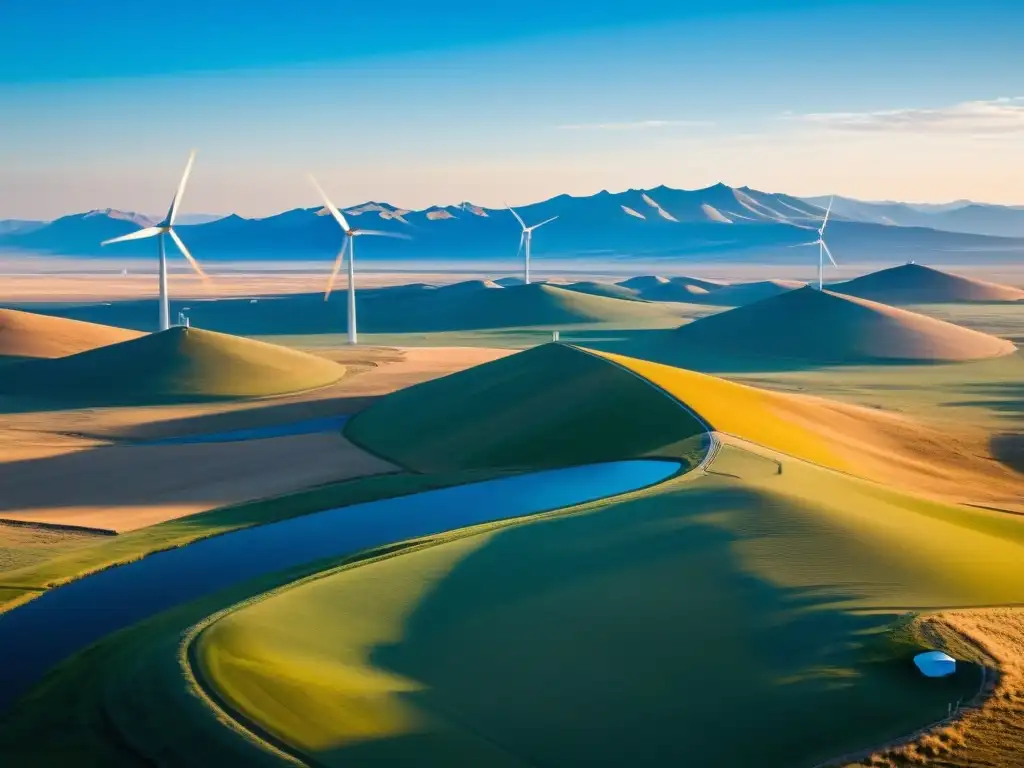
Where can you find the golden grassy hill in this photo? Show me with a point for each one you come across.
(179, 364)
(918, 284)
(867, 442)
(826, 327)
(28, 335)
(556, 405)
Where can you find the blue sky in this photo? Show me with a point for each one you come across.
(421, 103)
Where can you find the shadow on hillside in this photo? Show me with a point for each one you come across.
(1009, 449)
(212, 473)
(260, 414)
(1006, 397)
(636, 635)
(124, 474)
(11, 404)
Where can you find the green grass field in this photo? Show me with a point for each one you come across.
(649, 631)
(739, 616)
(549, 406)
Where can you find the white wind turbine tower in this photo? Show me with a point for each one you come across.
(348, 242)
(166, 227)
(526, 238)
(823, 250)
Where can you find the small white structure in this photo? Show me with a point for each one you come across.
(935, 664)
(554, 335)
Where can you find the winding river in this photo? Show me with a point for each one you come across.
(38, 635)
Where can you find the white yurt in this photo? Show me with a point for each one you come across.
(935, 664)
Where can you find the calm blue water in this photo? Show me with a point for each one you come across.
(257, 433)
(39, 634)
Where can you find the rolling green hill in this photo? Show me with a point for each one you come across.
(826, 327)
(180, 364)
(548, 406)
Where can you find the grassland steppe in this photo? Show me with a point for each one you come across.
(780, 544)
(851, 493)
(512, 385)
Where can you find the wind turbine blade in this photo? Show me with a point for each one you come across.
(538, 226)
(139, 235)
(801, 245)
(186, 254)
(521, 222)
(829, 254)
(381, 233)
(331, 206)
(522, 239)
(827, 212)
(338, 262)
(172, 212)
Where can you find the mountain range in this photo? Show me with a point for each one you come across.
(717, 222)
(959, 216)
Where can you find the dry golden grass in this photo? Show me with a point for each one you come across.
(24, 545)
(867, 442)
(991, 734)
(26, 334)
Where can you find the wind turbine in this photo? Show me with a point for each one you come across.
(823, 250)
(350, 235)
(526, 238)
(166, 227)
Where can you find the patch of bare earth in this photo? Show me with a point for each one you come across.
(948, 462)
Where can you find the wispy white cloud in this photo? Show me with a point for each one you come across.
(635, 125)
(973, 118)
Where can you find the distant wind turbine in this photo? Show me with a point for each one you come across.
(526, 238)
(166, 227)
(348, 242)
(823, 250)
